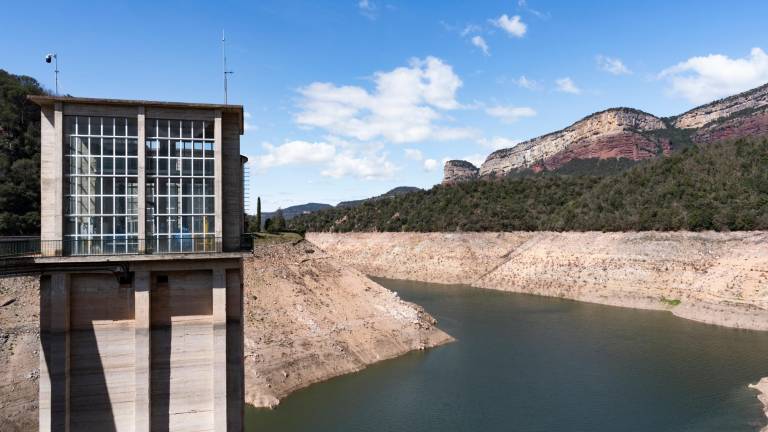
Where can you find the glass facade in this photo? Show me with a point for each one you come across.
(101, 180)
(180, 178)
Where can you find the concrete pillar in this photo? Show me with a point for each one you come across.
(219, 175)
(142, 307)
(54, 354)
(142, 207)
(219, 349)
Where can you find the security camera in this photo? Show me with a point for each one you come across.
(48, 58)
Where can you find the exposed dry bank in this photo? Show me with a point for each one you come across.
(19, 346)
(309, 318)
(716, 278)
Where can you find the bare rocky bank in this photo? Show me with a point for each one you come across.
(19, 347)
(716, 278)
(309, 318)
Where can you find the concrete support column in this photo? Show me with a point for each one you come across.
(142, 307)
(219, 175)
(219, 349)
(142, 207)
(54, 354)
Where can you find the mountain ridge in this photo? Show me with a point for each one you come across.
(625, 133)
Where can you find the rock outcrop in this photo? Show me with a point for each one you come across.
(456, 171)
(607, 134)
(627, 133)
(700, 116)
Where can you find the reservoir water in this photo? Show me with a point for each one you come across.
(524, 363)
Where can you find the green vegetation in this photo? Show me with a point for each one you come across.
(721, 186)
(19, 156)
(670, 302)
(276, 223)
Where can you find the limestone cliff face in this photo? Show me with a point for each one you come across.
(456, 171)
(624, 133)
(608, 134)
(700, 116)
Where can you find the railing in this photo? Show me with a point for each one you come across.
(34, 247)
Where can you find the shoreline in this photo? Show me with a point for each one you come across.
(762, 389)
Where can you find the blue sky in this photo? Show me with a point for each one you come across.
(347, 99)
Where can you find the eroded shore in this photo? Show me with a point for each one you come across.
(309, 318)
(714, 278)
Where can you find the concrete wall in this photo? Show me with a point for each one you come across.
(51, 174)
(143, 356)
(232, 182)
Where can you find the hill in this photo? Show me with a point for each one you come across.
(625, 134)
(718, 186)
(19, 156)
(398, 191)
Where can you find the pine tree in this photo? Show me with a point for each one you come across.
(258, 213)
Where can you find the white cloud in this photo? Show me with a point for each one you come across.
(404, 107)
(430, 165)
(510, 114)
(513, 26)
(368, 8)
(527, 83)
(497, 143)
(567, 85)
(413, 154)
(294, 153)
(612, 65)
(701, 79)
(479, 42)
(368, 167)
(469, 29)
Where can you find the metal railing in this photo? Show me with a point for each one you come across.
(34, 247)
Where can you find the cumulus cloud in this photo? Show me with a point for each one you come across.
(405, 105)
(567, 85)
(701, 79)
(612, 65)
(413, 154)
(510, 114)
(526, 83)
(513, 26)
(369, 167)
(430, 165)
(294, 153)
(497, 143)
(479, 42)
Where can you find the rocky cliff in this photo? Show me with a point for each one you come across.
(700, 116)
(608, 134)
(456, 171)
(625, 133)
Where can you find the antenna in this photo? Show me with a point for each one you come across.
(226, 72)
(55, 58)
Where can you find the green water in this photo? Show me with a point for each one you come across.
(527, 363)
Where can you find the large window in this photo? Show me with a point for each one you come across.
(180, 176)
(101, 164)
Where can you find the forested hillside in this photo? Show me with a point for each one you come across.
(719, 186)
(19, 155)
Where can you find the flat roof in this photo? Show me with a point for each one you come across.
(43, 100)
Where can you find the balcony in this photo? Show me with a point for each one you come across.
(11, 247)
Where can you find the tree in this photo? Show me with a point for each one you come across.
(278, 222)
(258, 214)
(19, 155)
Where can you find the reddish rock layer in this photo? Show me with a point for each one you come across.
(755, 125)
(628, 145)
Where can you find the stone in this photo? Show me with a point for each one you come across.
(456, 171)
